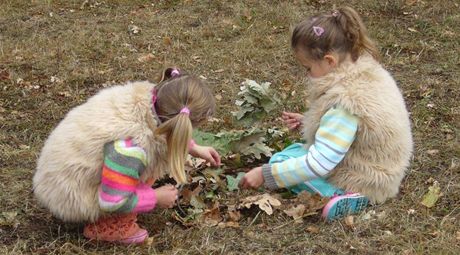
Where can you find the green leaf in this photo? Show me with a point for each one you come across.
(232, 182)
(254, 102)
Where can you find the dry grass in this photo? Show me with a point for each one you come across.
(88, 47)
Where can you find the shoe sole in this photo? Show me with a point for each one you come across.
(342, 206)
(137, 238)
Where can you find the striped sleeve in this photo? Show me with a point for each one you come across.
(336, 133)
(120, 190)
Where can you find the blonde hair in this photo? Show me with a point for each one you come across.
(343, 31)
(173, 94)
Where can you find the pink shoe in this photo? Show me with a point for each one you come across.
(116, 228)
(343, 205)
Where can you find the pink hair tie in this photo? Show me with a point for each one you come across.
(185, 110)
(175, 73)
(318, 30)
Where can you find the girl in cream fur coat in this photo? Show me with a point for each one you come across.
(98, 164)
(357, 129)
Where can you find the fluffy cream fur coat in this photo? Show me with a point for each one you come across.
(378, 158)
(70, 164)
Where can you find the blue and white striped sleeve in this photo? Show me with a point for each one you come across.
(336, 133)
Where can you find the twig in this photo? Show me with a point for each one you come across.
(255, 218)
(292, 221)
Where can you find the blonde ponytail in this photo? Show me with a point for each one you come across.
(183, 101)
(178, 132)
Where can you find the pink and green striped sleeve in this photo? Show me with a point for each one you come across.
(121, 190)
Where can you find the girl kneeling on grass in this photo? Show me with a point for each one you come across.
(357, 128)
(99, 163)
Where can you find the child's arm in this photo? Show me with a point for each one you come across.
(121, 190)
(333, 138)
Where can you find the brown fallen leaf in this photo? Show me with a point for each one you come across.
(187, 194)
(212, 217)
(234, 215)
(228, 224)
(432, 152)
(312, 229)
(458, 235)
(146, 58)
(167, 41)
(265, 202)
(4, 75)
(312, 202)
(350, 221)
(296, 212)
(148, 241)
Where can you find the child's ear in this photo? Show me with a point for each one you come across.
(332, 59)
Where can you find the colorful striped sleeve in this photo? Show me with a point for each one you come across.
(120, 190)
(336, 133)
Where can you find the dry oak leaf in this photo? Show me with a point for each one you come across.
(211, 217)
(296, 212)
(312, 202)
(265, 202)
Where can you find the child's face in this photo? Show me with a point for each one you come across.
(316, 68)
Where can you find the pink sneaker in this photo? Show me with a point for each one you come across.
(116, 228)
(343, 205)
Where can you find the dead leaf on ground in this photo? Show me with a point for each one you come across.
(458, 235)
(4, 75)
(133, 29)
(432, 196)
(349, 221)
(212, 217)
(187, 194)
(167, 41)
(312, 202)
(228, 224)
(265, 202)
(146, 58)
(9, 219)
(432, 152)
(312, 229)
(234, 215)
(296, 212)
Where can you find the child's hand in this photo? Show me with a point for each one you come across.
(252, 179)
(166, 196)
(292, 120)
(207, 153)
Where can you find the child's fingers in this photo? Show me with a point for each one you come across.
(291, 121)
(293, 126)
(243, 183)
(215, 157)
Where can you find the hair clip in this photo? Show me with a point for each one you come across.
(175, 73)
(318, 30)
(335, 13)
